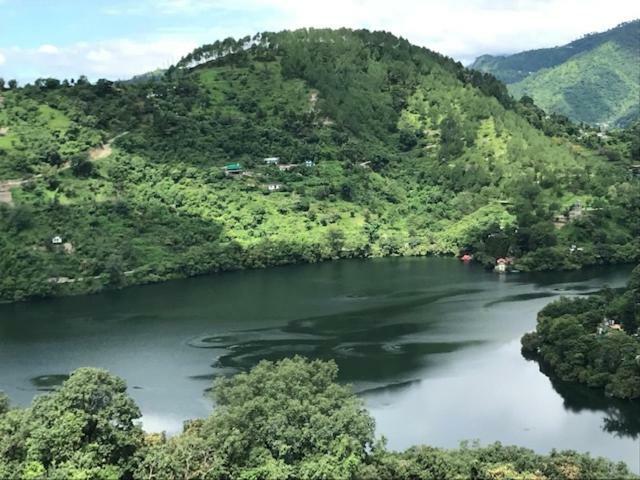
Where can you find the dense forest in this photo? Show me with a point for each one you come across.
(592, 340)
(284, 420)
(378, 147)
(595, 79)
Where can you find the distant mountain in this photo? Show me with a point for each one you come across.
(595, 79)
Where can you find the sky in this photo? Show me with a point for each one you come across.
(117, 39)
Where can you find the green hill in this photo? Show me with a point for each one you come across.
(385, 148)
(595, 79)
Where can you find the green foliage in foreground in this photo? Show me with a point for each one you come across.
(86, 429)
(284, 420)
(409, 154)
(595, 79)
(570, 337)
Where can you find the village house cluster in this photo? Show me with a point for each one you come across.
(235, 169)
(608, 325)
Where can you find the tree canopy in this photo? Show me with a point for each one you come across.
(283, 420)
(593, 341)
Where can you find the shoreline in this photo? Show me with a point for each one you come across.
(66, 287)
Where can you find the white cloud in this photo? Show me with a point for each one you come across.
(48, 49)
(462, 29)
(101, 55)
(129, 10)
(3, 59)
(115, 59)
(170, 7)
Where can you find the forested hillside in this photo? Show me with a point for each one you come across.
(593, 340)
(384, 149)
(284, 420)
(595, 79)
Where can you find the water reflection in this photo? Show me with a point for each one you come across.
(369, 344)
(47, 383)
(521, 297)
(620, 417)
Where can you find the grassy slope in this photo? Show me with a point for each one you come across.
(160, 208)
(34, 126)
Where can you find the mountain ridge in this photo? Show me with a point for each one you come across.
(549, 75)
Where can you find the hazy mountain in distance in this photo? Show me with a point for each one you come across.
(595, 79)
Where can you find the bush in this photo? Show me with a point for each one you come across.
(81, 166)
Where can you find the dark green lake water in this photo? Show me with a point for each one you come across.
(432, 345)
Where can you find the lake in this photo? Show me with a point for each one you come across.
(431, 344)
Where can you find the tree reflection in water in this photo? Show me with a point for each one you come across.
(622, 417)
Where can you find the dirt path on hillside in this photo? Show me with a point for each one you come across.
(5, 189)
(105, 150)
(5, 197)
(96, 153)
(100, 152)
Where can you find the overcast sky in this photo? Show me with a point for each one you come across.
(120, 38)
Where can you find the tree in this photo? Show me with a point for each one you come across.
(1, 83)
(85, 429)
(451, 138)
(13, 84)
(186, 456)
(287, 419)
(408, 139)
(82, 80)
(4, 403)
(347, 191)
(336, 240)
(114, 268)
(53, 158)
(103, 87)
(47, 83)
(20, 218)
(541, 234)
(81, 166)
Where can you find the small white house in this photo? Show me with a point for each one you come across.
(575, 248)
(274, 187)
(500, 268)
(57, 240)
(309, 163)
(272, 160)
